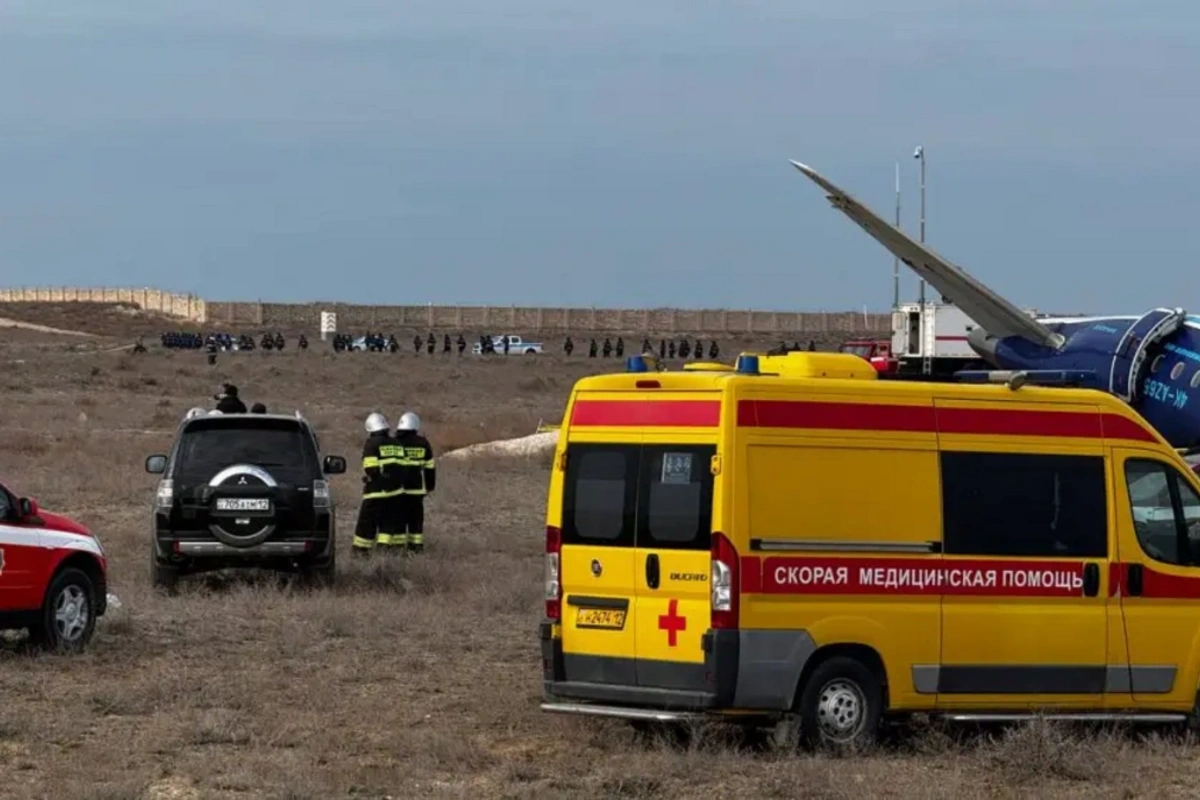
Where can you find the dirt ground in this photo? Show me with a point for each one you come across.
(413, 677)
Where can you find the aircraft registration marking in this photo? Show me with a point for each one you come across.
(1157, 390)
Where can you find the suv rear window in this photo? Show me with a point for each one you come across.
(279, 446)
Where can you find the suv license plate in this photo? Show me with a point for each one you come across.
(243, 504)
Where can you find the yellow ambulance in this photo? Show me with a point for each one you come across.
(796, 539)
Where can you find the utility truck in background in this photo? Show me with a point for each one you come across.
(929, 341)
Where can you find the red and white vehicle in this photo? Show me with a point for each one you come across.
(53, 575)
(877, 351)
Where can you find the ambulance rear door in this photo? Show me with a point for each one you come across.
(599, 519)
(673, 562)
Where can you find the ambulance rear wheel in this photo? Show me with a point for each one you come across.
(841, 705)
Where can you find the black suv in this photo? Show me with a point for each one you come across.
(243, 490)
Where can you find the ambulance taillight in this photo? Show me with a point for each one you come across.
(553, 582)
(724, 583)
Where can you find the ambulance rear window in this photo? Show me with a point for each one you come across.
(676, 497)
(600, 495)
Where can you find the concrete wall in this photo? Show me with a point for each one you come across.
(183, 306)
(468, 319)
(517, 319)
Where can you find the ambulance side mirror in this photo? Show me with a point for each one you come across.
(334, 465)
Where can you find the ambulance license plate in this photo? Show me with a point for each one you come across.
(610, 618)
(243, 504)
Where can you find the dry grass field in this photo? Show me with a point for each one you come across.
(413, 677)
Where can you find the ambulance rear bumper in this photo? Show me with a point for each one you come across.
(743, 670)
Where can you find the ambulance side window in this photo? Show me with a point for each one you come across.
(600, 495)
(6, 505)
(1021, 504)
(1166, 512)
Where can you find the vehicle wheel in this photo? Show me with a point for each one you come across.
(323, 574)
(841, 705)
(68, 616)
(161, 575)
(530, 351)
(166, 578)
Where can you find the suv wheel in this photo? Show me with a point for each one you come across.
(162, 576)
(322, 573)
(68, 615)
(841, 705)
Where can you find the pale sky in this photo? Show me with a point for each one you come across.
(628, 153)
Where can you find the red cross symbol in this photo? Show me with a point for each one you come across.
(672, 623)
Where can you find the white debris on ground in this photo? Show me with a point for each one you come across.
(5, 322)
(113, 601)
(533, 446)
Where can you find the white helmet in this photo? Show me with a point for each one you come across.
(409, 422)
(195, 412)
(376, 422)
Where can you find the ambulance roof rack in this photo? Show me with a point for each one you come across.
(707, 366)
(1015, 379)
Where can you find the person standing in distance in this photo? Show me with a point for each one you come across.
(228, 401)
(418, 477)
(380, 483)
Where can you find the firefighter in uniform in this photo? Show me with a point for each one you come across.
(380, 486)
(418, 475)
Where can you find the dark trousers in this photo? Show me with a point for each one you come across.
(391, 522)
(369, 518)
(412, 518)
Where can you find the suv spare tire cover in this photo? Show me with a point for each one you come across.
(239, 528)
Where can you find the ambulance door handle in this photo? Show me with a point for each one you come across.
(1091, 579)
(1135, 580)
(652, 570)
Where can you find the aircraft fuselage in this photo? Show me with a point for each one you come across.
(1163, 385)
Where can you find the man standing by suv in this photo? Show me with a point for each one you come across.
(418, 475)
(228, 401)
(381, 484)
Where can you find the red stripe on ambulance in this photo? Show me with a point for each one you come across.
(647, 413)
(936, 419)
(907, 576)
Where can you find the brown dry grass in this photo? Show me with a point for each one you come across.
(412, 678)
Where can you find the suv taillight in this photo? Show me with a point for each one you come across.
(320, 494)
(724, 583)
(165, 496)
(553, 576)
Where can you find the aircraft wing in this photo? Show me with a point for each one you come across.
(990, 311)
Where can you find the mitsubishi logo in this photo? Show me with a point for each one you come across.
(242, 481)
